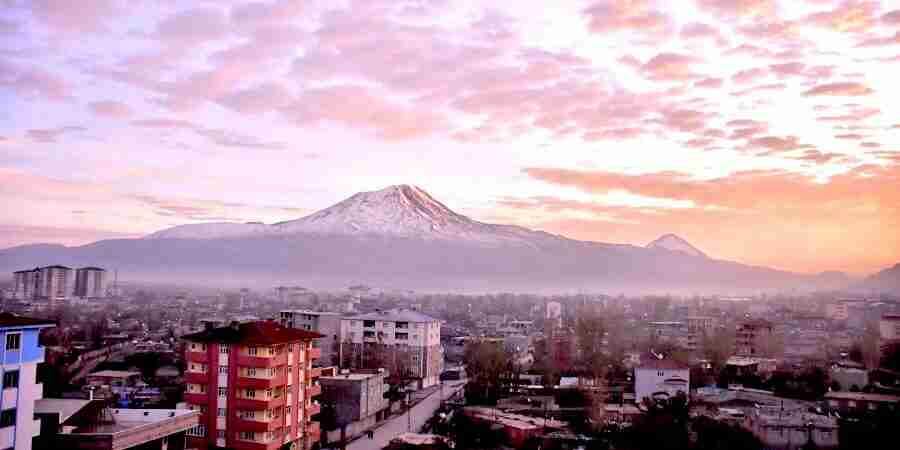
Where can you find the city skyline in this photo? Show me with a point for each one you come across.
(759, 131)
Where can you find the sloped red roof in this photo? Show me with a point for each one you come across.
(257, 333)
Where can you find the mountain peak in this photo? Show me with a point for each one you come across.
(673, 242)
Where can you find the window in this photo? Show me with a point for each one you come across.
(251, 371)
(252, 351)
(223, 348)
(220, 412)
(247, 415)
(199, 430)
(402, 324)
(661, 373)
(223, 369)
(220, 434)
(13, 341)
(369, 323)
(8, 418)
(401, 336)
(10, 379)
(250, 393)
(268, 393)
(247, 436)
(223, 392)
(287, 411)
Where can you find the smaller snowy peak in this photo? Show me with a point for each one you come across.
(674, 243)
(214, 230)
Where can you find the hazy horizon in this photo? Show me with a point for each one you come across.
(761, 132)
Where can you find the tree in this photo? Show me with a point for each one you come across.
(890, 358)
(487, 367)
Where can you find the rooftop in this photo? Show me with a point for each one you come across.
(395, 315)
(654, 363)
(313, 313)
(259, 332)
(99, 269)
(862, 397)
(115, 374)
(9, 320)
(65, 407)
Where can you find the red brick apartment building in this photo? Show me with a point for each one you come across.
(254, 386)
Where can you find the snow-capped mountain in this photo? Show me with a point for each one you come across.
(398, 211)
(672, 242)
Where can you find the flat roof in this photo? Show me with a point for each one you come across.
(395, 315)
(253, 333)
(862, 396)
(314, 313)
(352, 376)
(114, 374)
(65, 407)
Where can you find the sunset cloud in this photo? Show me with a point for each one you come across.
(839, 89)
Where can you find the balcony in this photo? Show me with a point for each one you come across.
(261, 383)
(315, 372)
(197, 357)
(314, 390)
(313, 409)
(257, 426)
(252, 404)
(262, 361)
(313, 431)
(196, 398)
(315, 353)
(196, 377)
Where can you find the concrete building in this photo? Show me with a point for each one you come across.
(328, 324)
(90, 425)
(401, 340)
(358, 400)
(55, 283)
(660, 377)
(789, 430)
(90, 282)
(753, 338)
(254, 385)
(859, 402)
(26, 284)
(20, 357)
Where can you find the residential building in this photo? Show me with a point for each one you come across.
(849, 378)
(858, 402)
(675, 333)
(656, 376)
(358, 399)
(55, 283)
(21, 355)
(753, 338)
(74, 424)
(26, 284)
(327, 324)
(254, 385)
(116, 381)
(90, 282)
(788, 430)
(405, 342)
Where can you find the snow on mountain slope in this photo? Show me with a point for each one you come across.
(401, 210)
(672, 242)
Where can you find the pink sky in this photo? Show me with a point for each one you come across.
(761, 131)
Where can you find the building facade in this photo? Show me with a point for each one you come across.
(328, 324)
(405, 342)
(254, 384)
(753, 338)
(90, 282)
(26, 284)
(55, 283)
(359, 401)
(21, 354)
(660, 377)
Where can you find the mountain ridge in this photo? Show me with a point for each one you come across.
(401, 236)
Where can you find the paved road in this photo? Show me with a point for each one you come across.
(398, 424)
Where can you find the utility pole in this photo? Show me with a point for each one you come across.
(408, 413)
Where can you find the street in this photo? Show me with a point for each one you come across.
(399, 424)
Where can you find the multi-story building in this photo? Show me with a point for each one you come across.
(26, 283)
(406, 342)
(753, 338)
(55, 283)
(21, 354)
(326, 323)
(359, 401)
(90, 282)
(660, 377)
(254, 385)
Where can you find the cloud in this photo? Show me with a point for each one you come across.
(34, 82)
(839, 89)
(262, 98)
(748, 75)
(739, 8)
(669, 66)
(891, 18)
(712, 83)
(193, 26)
(697, 30)
(794, 68)
(607, 16)
(776, 143)
(80, 16)
(881, 41)
(49, 135)
(110, 108)
(847, 16)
